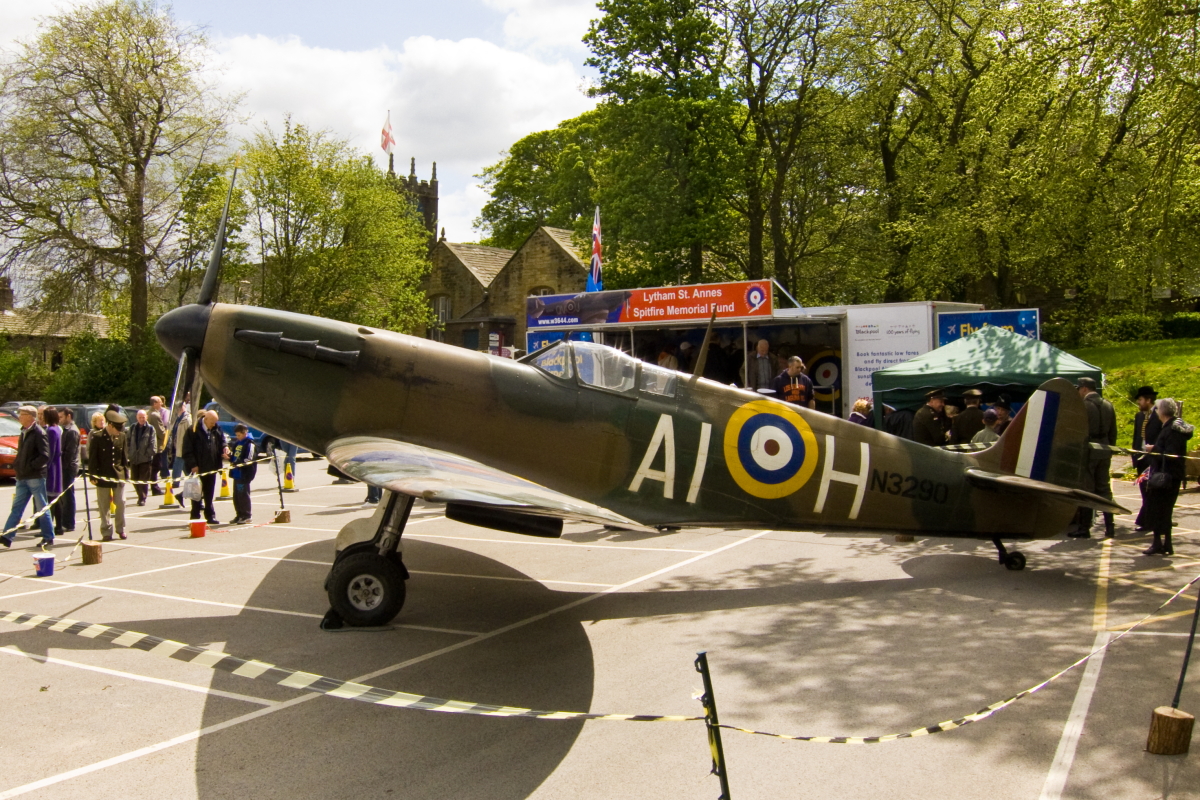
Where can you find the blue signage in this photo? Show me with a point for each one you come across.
(536, 340)
(955, 325)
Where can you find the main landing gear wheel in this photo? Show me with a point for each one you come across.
(1014, 561)
(366, 589)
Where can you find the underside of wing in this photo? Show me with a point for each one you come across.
(441, 477)
(1017, 484)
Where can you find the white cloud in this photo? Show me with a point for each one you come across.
(545, 25)
(19, 18)
(459, 103)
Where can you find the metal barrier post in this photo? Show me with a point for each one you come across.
(1187, 655)
(709, 701)
(87, 506)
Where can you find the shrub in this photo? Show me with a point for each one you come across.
(1184, 325)
(111, 371)
(1128, 327)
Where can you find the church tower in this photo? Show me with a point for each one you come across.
(423, 193)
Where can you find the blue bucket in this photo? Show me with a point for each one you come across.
(44, 566)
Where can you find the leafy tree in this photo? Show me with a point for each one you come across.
(103, 122)
(115, 370)
(22, 375)
(333, 235)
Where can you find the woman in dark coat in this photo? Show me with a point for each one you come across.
(1161, 494)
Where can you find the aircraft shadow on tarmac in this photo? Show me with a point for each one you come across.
(856, 647)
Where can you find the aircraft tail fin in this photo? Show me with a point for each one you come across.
(1044, 450)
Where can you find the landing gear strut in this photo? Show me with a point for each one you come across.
(1011, 559)
(366, 584)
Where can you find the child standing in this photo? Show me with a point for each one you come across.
(242, 456)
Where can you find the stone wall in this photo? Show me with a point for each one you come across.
(540, 262)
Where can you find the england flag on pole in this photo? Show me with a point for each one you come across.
(595, 280)
(386, 140)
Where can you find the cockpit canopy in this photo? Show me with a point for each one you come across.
(603, 367)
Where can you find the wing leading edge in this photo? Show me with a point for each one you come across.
(441, 477)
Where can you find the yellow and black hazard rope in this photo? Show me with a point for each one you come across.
(1112, 448)
(43, 510)
(132, 482)
(348, 690)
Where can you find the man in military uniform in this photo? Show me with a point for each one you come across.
(1102, 429)
(929, 426)
(970, 420)
(1146, 427)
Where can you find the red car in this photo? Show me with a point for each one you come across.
(10, 434)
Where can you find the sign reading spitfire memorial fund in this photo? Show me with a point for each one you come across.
(880, 337)
(740, 300)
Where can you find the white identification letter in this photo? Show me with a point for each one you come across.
(664, 437)
(701, 462)
(829, 474)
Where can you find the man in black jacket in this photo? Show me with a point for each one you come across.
(203, 454)
(33, 453)
(1146, 427)
(65, 518)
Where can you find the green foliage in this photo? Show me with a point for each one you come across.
(1184, 325)
(114, 370)
(333, 235)
(104, 118)
(1171, 367)
(984, 151)
(22, 375)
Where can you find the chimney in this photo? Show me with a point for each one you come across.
(6, 295)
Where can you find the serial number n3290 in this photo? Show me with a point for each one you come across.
(909, 486)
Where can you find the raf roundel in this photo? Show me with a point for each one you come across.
(769, 449)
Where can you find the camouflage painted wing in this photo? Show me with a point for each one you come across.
(442, 477)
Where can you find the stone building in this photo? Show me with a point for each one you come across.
(478, 292)
(44, 333)
(424, 193)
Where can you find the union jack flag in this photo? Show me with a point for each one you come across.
(595, 281)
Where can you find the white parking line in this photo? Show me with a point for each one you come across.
(191, 687)
(194, 735)
(1064, 756)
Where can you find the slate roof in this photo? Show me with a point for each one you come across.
(29, 322)
(564, 239)
(483, 262)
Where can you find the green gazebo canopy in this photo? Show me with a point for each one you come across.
(993, 360)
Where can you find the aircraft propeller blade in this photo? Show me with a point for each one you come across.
(703, 359)
(208, 289)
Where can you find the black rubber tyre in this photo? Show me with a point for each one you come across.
(1015, 561)
(366, 589)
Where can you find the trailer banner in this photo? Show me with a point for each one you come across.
(954, 325)
(739, 300)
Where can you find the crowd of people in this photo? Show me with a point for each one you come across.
(159, 444)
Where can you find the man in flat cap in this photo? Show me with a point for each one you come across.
(1146, 427)
(929, 426)
(109, 465)
(970, 420)
(33, 455)
(1102, 429)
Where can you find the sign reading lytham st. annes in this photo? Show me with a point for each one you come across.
(740, 300)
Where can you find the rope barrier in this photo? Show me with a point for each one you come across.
(348, 690)
(976, 447)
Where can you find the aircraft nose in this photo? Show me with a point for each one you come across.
(183, 328)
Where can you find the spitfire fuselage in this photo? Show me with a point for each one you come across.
(699, 454)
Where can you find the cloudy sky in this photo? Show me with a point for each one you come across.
(463, 79)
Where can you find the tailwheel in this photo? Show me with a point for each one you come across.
(366, 589)
(1014, 561)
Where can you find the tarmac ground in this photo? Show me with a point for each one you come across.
(842, 634)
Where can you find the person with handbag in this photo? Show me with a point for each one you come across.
(1166, 471)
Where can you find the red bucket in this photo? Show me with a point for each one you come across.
(199, 528)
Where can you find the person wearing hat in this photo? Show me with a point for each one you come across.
(108, 464)
(33, 454)
(970, 420)
(1146, 427)
(928, 424)
(1003, 410)
(1102, 429)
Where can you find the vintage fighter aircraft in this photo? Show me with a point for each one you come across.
(639, 447)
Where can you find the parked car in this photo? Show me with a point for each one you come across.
(13, 405)
(10, 434)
